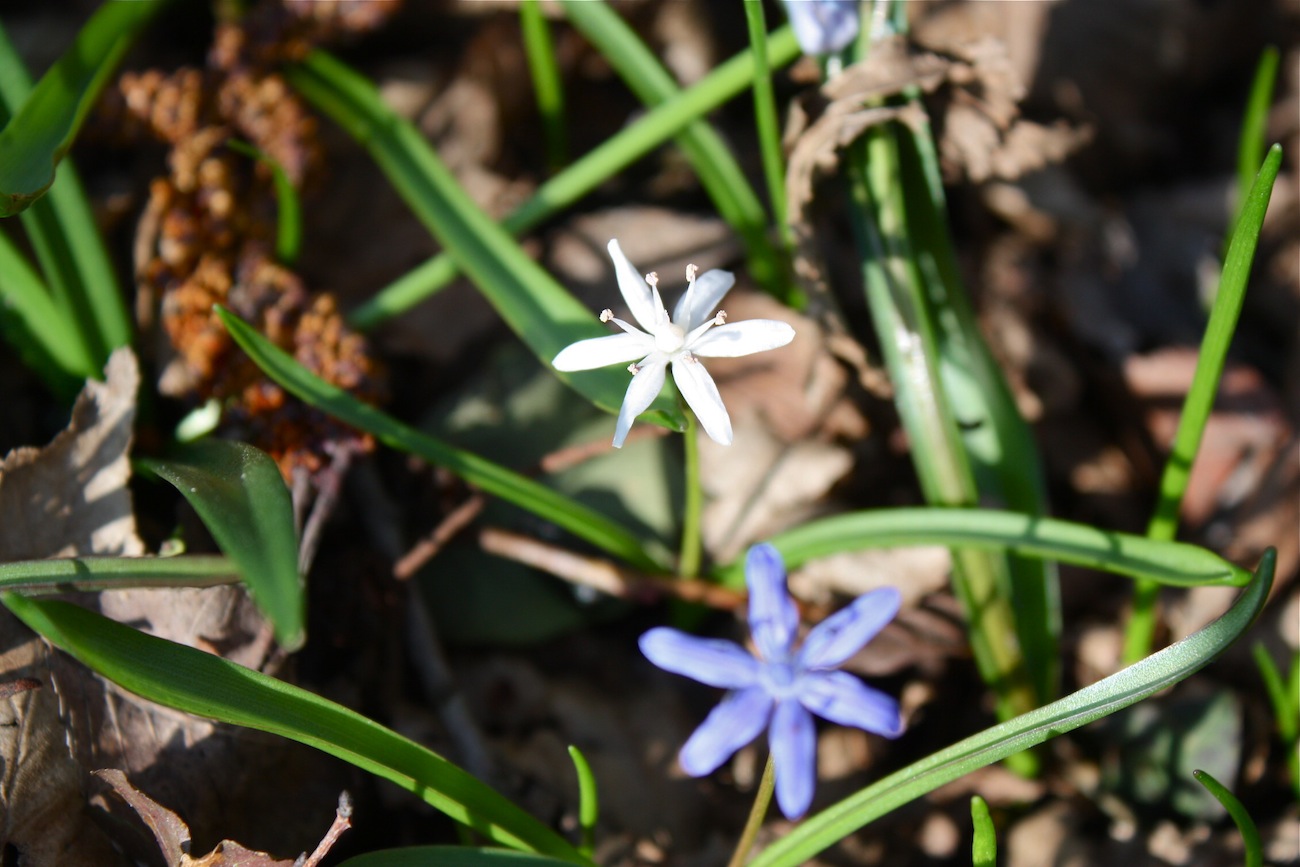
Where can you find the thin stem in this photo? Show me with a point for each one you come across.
(688, 564)
(769, 136)
(762, 798)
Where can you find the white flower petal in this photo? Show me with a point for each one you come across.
(695, 384)
(644, 388)
(604, 351)
(636, 292)
(742, 338)
(701, 299)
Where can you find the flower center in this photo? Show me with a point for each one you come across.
(669, 338)
(778, 678)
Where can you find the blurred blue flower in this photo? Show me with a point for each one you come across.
(823, 26)
(780, 688)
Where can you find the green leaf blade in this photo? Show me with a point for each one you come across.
(238, 492)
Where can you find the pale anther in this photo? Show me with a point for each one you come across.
(691, 271)
(633, 368)
(653, 279)
(606, 315)
(720, 318)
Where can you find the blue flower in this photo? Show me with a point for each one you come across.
(780, 688)
(823, 26)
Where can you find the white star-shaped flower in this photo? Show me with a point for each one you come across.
(690, 332)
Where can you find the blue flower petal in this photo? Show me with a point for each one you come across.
(841, 635)
(773, 617)
(793, 739)
(842, 698)
(715, 661)
(823, 26)
(739, 719)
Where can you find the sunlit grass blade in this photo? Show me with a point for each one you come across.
(80, 280)
(997, 441)
(105, 573)
(588, 802)
(239, 494)
(492, 478)
(592, 169)
(709, 155)
(765, 121)
(1173, 563)
(208, 686)
(288, 224)
(1284, 697)
(1245, 824)
(52, 336)
(540, 311)
(40, 132)
(1120, 690)
(905, 323)
(1200, 397)
(450, 856)
(984, 848)
(1254, 124)
(547, 86)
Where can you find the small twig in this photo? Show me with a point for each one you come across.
(428, 547)
(563, 459)
(603, 575)
(328, 484)
(342, 822)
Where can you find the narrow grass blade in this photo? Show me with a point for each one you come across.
(1245, 824)
(1254, 124)
(540, 311)
(709, 155)
(905, 323)
(984, 848)
(450, 856)
(1200, 397)
(81, 281)
(104, 573)
(546, 80)
(52, 334)
(765, 121)
(1173, 563)
(1118, 691)
(208, 686)
(588, 172)
(288, 225)
(583, 522)
(238, 492)
(1284, 696)
(588, 802)
(39, 134)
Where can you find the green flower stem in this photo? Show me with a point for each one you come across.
(762, 799)
(546, 80)
(688, 563)
(769, 136)
(584, 175)
(1254, 854)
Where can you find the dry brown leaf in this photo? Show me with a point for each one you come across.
(70, 497)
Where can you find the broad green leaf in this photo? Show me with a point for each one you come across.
(1200, 397)
(1120, 690)
(494, 479)
(1172, 563)
(449, 856)
(104, 573)
(41, 131)
(238, 492)
(540, 311)
(214, 688)
(53, 336)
